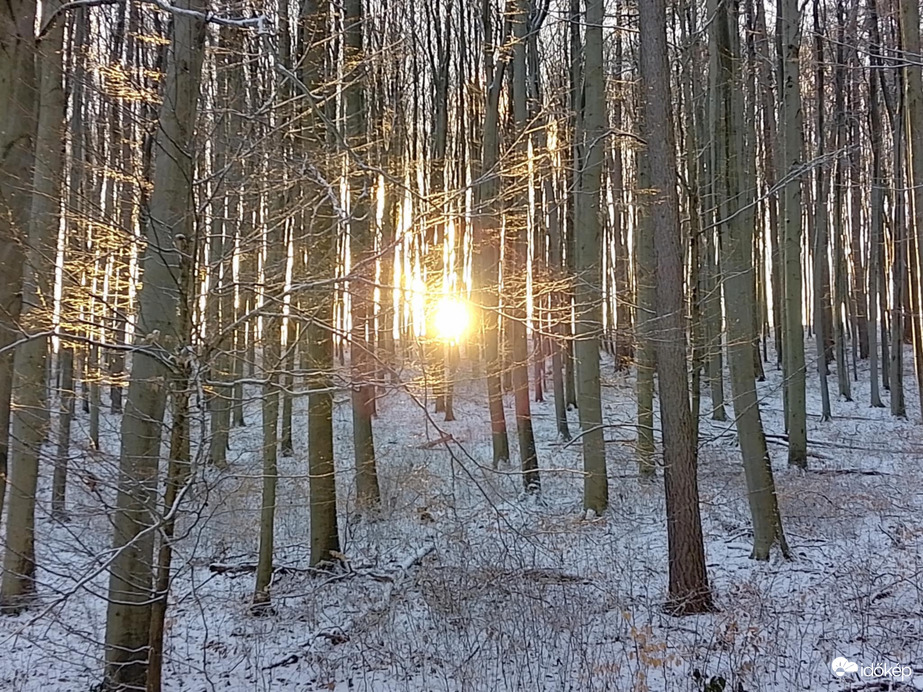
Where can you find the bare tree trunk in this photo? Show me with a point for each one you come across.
(557, 308)
(688, 589)
(362, 273)
(516, 264)
(65, 418)
(169, 227)
(30, 414)
(178, 471)
(645, 280)
(262, 599)
(821, 271)
(487, 241)
(898, 266)
(840, 287)
(913, 104)
(588, 280)
(789, 34)
(325, 542)
(735, 209)
(877, 209)
(17, 139)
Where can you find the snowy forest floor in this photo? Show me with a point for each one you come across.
(460, 583)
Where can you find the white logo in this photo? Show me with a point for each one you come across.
(841, 666)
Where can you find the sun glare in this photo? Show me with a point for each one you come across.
(451, 319)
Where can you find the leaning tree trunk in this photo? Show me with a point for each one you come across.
(169, 223)
(688, 580)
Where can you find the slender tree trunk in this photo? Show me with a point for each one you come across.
(876, 209)
(840, 287)
(913, 105)
(789, 32)
(487, 240)
(821, 271)
(645, 280)
(363, 268)
(688, 581)
(588, 284)
(898, 268)
(65, 418)
(732, 188)
(17, 141)
(262, 599)
(325, 542)
(517, 264)
(178, 471)
(557, 308)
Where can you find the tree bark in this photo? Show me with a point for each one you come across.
(588, 280)
(735, 210)
(516, 264)
(789, 34)
(17, 141)
(688, 581)
(324, 536)
(30, 414)
(169, 225)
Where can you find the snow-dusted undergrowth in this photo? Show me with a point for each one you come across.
(462, 584)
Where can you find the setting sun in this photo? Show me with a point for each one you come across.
(451, 318)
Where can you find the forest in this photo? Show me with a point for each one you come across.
(461, 345)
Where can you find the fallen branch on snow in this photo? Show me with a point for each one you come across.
(340, 635)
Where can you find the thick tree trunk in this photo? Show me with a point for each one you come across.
(30, 414)
(169, 227)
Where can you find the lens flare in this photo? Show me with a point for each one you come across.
(451, 318)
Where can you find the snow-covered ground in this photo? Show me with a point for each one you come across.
(512, 592)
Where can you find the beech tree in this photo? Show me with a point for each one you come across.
(689, 590)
